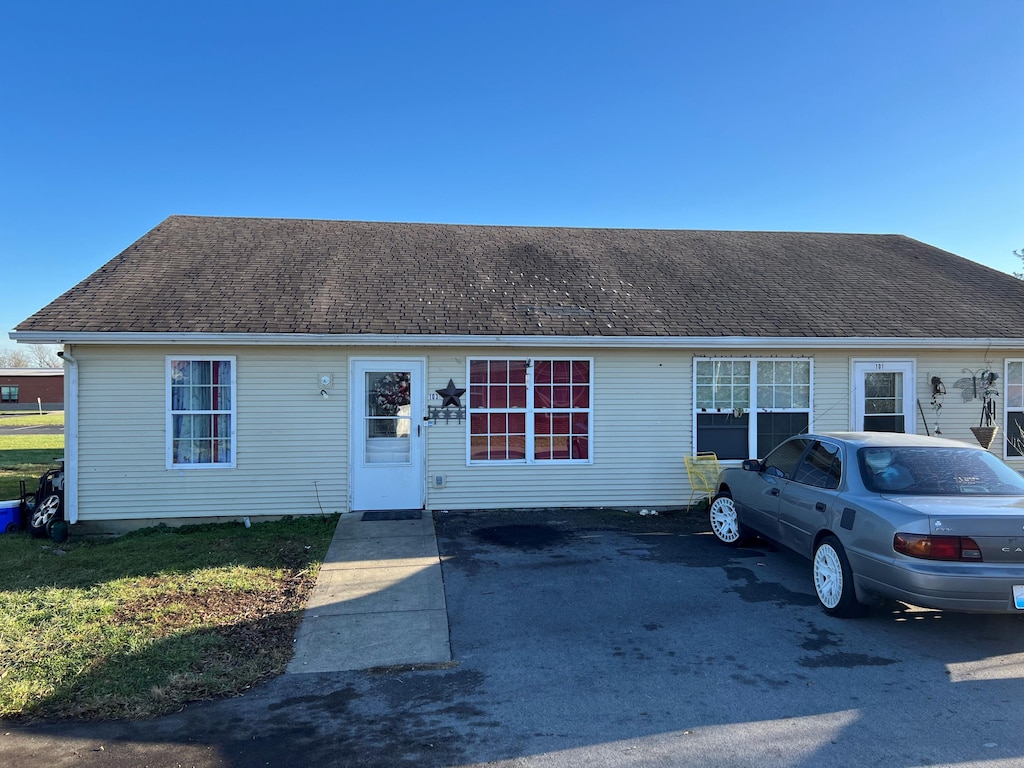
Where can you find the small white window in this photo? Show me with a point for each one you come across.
(200, 412)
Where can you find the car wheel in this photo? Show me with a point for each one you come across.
(725, 521)
(833, 580)
(47, 512)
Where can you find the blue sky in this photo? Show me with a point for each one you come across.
(889, 116)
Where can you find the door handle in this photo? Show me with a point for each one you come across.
(774, 492)
(820, 506)
(418, 430)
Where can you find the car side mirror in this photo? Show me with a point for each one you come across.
(752, 465)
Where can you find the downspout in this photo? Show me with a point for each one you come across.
(70, 435)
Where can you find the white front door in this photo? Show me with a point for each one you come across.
(883, 396)
(388, 468)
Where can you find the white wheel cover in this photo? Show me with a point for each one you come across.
(828, 576)
(45, 512)
(724, 522)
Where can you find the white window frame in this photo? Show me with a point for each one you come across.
(1014, 408)
(170, 414)
(753, 408)
(530, 412)
(860, 366)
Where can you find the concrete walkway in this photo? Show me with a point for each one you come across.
(378, 601)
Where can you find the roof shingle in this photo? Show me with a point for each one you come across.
(193, 274)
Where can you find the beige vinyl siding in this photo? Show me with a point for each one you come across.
(957, 415)
(292, 445)
(641, 432)
(643, 425)
(832, 390)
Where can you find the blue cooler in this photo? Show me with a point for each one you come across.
(10, 511)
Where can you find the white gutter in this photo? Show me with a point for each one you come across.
(474, 340)
(70, 436)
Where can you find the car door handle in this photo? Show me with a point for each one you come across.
(774, 492)
(820, 506)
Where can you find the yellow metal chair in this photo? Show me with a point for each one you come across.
(702, 472)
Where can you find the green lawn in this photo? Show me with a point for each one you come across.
(26, 456)
(23, 418)
(140, 625)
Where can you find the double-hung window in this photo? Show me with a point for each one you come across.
(530, 411)
(746, 407)
(201, 412)
(1014, 408)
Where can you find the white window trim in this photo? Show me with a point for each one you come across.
(754, 409)
(169, 458)
(530, 460)
(1007, 410)
(884, 364)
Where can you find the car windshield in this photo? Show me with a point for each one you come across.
(937, 471)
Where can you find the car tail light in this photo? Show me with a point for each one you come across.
(937, 547)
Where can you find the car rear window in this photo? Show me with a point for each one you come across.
(937, 471)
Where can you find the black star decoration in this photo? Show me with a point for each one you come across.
(451, 394)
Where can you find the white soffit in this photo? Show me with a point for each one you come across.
(486, 340)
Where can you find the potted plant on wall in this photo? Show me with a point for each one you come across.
(986, 430)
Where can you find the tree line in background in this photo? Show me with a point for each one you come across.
(31, 356)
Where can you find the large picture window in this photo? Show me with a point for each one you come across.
(530, 411)
(744, 408)
(201, 412)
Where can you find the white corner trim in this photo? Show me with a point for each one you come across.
(70, 436)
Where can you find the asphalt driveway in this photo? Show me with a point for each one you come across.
(27, 429)
(614, 641)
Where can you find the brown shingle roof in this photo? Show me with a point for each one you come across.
(239, 275)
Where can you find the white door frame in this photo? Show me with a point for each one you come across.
(398, 483)
(861, 366)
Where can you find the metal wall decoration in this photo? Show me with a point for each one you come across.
(448, 414)
(981, 384)
(938, 396)
(451, 408)
(452, 395)
(976, 383)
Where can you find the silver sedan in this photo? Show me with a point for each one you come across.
(931, 522)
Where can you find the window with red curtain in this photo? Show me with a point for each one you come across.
(201, 412)
(530, 411)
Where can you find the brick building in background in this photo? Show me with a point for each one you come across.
(22, 389)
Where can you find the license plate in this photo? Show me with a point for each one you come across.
(1018, 596)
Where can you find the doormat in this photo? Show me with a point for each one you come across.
(377, 515)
